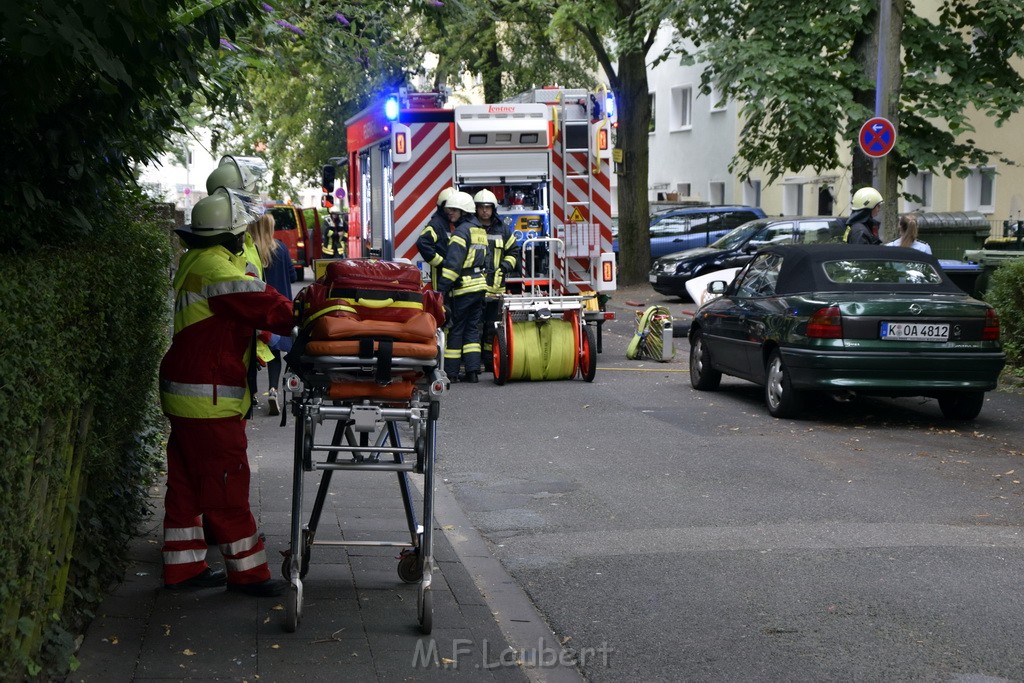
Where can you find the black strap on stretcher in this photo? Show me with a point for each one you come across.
(353, 293)
(384, 354)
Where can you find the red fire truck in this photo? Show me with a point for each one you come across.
(545, 154)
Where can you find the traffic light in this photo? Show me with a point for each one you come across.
(327, 200)
(327, 178)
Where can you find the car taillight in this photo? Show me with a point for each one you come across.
(826, 323)
(991, 330)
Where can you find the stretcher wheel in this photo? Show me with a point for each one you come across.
(293, 606)
(410, 568)
(588, 354)
(501, 360)
(425, 605)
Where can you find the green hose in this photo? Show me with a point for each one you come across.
(543, 350)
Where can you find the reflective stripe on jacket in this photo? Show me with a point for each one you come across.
(464, 267)
(433, 244)
(217, 309)
(503, 253)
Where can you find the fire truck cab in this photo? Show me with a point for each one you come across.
(545, 154)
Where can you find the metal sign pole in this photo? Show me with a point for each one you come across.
(882, 86)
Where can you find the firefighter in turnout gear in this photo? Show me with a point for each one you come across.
(335, 233)
(463, 280)
(503, 256)
(204, 392)
(862, 225)
(433, 241)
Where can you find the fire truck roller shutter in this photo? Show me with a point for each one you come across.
(501, 168)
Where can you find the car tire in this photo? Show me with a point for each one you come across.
(779, 395)
(961, 405)
(703, 377)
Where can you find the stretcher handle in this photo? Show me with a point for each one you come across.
(374, 303)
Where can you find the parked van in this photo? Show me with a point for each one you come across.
(694, 226)
(299, 230)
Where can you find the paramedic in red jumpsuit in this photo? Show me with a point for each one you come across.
(204, 393)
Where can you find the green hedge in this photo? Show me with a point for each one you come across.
(81, 335)
(1006, 293)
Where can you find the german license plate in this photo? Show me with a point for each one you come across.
(653, 279)
(915, 331)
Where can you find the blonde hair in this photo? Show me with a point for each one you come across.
(908, 230)
(262, 231)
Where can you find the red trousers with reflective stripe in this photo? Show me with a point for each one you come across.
(208, 474)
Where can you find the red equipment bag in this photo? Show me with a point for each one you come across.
(370, 309)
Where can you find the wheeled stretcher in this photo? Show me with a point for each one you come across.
(366, 379)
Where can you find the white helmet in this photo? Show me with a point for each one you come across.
(460, 200)
(486, 197)
(445, 194)
(222, 212)
(866, 198)
(334, 209)
(242, 174)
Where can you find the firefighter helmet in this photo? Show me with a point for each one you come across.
(445, 194)
(334, 209)
(866, 198)
(221, 212)
(237, 173)
(462, 201)
(486, 197)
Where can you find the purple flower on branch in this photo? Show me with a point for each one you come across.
(228, 45)
(435, 3)
(291, 27)
(341, 18)
(267, 8)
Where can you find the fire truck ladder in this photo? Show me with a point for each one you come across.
(576, 238)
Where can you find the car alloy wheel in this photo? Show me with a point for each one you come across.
(779, 395)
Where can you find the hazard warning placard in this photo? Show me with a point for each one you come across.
(576, 216)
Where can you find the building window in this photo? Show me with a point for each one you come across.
(752, 193)
(682, 108)
(919, 185)
(793, 200)
(683, 189)
(980, 190)
(717, 99)
(651, 127)
(716, 193)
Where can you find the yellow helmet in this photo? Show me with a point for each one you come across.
(486, 197)
(866, 198)
(445, 194)
(460, 200)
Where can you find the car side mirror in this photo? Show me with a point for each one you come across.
(717, 287)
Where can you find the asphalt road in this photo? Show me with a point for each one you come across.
(672, 535)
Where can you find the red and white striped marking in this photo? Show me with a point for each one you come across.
(417, 183)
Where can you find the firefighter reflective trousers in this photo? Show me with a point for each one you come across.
(463, 343)
(208, 475)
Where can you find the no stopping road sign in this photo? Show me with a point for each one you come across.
(877, 137)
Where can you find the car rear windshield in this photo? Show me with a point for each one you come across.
(284, 218)
(882, 271)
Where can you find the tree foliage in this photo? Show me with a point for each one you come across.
(795, 70)
(303, 79)
(90, 89)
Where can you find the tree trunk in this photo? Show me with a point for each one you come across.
(634, 107)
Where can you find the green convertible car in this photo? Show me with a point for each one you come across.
(846, 319)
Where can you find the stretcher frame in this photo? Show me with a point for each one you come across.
(539, 301)
(365, 438)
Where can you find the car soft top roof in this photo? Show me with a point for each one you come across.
(802, 272)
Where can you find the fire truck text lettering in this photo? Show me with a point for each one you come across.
(494, 109)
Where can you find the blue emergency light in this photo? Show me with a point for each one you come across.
(391, 108)
(609, 106)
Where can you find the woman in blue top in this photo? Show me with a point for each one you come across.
(279, 273)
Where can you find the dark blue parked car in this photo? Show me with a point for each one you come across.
(694, 226)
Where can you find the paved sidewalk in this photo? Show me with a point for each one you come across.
(359, 619)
